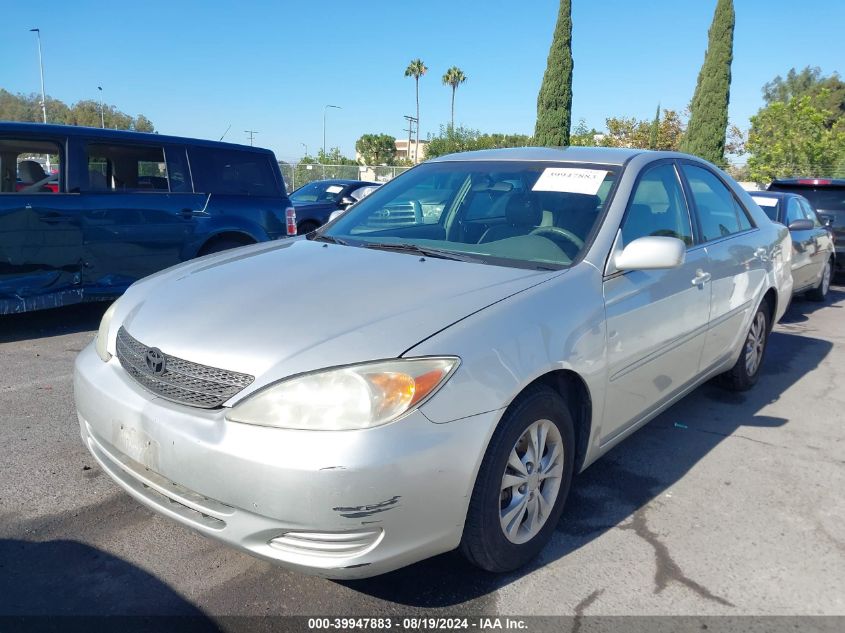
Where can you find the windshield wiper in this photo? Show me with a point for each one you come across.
(321, 237)
(426, 251)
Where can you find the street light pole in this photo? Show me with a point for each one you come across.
(102, 112)
(41, 67)
(306, 148)
(326, 107)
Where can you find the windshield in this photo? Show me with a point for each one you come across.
(319, 191)
(527, 214)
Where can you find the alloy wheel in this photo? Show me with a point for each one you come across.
(755, 343)
(531, 481)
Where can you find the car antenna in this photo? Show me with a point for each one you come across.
(226, 132)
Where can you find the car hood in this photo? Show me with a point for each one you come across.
(274, 310)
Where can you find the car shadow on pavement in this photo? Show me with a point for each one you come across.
(612, 491)
(34, 582)
(80, 317)
(801, 307)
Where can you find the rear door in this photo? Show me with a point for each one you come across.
(244, 188)
(140, 210)
(822, 241)
(40, 224)
(736, 261)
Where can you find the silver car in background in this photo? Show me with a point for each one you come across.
(451, 368)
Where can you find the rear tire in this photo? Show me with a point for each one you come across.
(744, 374)
(819, 293)
(522, 484)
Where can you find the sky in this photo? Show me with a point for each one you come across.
(197, 67)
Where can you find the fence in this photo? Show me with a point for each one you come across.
(302, 173)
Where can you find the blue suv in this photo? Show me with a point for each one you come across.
(85, 212)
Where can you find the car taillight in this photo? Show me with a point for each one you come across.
(814, 181)
(290, 220)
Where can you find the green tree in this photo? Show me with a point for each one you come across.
(454, 77)
(460, 139)
(554, 102)
(811, 82)
(654, 135)
(376, 149)
(631, 132)
(708, 124)
(20, 107)
(416, 69)
(583, 136)
(795, 139)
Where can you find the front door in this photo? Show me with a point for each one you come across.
(40, 227)
(656, 319)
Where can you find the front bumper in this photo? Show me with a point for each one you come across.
(345, 504)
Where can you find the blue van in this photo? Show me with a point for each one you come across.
(85, 212)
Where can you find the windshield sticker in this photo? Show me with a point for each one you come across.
(570, 180)
(765, 202)
(334, 189)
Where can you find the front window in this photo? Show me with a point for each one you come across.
(317, 192)
(527, 214)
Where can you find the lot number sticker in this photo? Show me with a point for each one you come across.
(334, 189)
(570, 180)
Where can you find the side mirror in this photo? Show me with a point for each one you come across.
(347, 201)
(651, 253)
(801, 225)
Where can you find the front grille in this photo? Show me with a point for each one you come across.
(181, 381)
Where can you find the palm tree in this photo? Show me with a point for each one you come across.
(454, 77)
(416, 69)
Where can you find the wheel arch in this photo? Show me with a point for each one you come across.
(225, 236)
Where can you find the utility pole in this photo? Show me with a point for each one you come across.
(306, 148)
(412, 120)
(102, 111)
(252, 134)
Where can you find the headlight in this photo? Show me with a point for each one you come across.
(354, 397)
(103, 334)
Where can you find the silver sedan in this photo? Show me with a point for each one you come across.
(429, 370)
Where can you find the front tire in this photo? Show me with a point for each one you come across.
(819, 293)
(522, 484)
(744, 374)
(306, 227)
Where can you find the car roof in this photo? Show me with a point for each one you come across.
(600, 155)
(773, 194)
(809, 182)
(117, 135)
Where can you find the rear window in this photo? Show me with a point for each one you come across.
(827, 198)
(233, 172)
(28, 166)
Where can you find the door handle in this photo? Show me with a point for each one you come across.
(701, 277)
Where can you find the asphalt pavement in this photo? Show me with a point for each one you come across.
(726, 504)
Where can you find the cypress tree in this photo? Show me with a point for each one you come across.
(654, 136)
(554, 102)
(705, 135)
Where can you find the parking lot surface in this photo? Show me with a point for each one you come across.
(725, 504)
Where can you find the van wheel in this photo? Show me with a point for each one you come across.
(307, 227)
(217, 246)
(522, 484)
(743, 375)
(819, 293)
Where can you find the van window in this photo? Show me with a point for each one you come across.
(29, 166)
(116, 167)
(231, 172)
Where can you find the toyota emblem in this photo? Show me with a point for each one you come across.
(155, 361)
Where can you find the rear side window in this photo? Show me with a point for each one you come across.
(657, 207)
(28, 166)
(233, 172)
(115, 167)
(719, 213)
